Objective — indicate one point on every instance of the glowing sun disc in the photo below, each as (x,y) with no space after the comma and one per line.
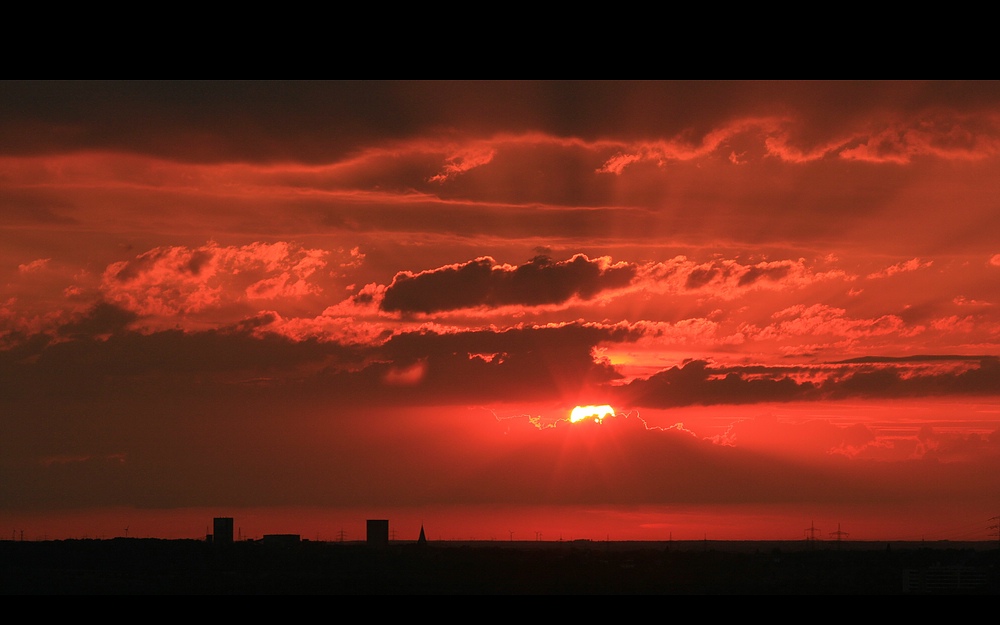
(585,412)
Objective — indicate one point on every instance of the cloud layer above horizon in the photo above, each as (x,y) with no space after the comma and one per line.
(303,283)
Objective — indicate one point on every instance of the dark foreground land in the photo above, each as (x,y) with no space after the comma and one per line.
(130,566)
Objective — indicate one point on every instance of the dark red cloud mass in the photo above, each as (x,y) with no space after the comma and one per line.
(385,297)
(484,283)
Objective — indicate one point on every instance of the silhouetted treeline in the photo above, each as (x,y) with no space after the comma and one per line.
(154,567)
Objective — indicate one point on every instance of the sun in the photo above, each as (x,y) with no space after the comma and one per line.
(585,412)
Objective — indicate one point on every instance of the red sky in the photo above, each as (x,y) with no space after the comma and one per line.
(306,304)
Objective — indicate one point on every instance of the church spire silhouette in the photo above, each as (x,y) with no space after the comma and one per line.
(422,539)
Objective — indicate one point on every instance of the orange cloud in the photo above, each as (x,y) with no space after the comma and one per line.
(169,281)
(946,136)
(942,135)
(729,278)
(35,265)
(464,161)
(820,319)
(910,265)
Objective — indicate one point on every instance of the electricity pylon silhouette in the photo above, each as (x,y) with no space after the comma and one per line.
(811,531)
(995,526)
(839,534)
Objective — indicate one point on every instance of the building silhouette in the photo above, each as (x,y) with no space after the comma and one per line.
(378,532)
(222,530)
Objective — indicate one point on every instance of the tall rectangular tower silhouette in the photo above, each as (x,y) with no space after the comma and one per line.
(222,530)
(378,532)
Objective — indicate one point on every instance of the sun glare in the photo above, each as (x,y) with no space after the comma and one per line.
(585,412)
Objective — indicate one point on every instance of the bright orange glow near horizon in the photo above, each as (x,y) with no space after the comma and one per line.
(598,413)
(383,297)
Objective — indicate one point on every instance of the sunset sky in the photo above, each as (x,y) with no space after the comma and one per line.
(306,304)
